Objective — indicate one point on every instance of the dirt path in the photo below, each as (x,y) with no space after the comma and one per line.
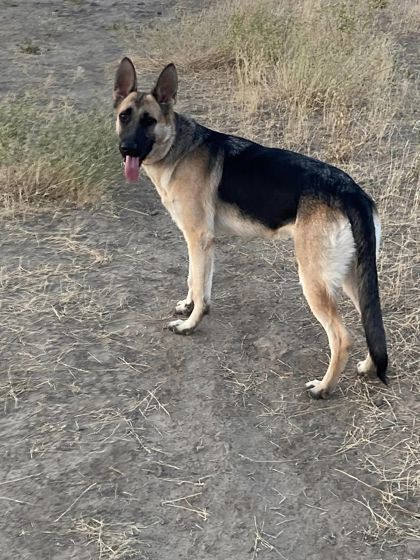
(69,43)
(121,440)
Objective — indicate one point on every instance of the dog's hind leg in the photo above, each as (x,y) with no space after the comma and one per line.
(324,249)
(324,307)
(351,289)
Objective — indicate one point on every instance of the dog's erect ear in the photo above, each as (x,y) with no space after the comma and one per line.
(125,80)
(167,85)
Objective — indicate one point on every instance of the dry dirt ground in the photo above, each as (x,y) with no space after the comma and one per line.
(121,440)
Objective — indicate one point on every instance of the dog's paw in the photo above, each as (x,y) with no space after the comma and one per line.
(180,327)
(184,307)
(361,368)
(316,389)
(365,367)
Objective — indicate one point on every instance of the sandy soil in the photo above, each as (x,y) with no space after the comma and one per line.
(122,440)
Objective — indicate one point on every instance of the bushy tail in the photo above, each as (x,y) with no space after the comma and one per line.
(359,210)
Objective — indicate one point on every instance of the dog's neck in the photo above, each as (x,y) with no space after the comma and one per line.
(160,150)
(163,162)
(179,141)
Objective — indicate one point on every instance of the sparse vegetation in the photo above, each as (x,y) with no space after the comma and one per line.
(323,78)
(52,153)
(29,47)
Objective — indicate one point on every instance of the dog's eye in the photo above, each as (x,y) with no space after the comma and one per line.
(125,116)
(147,120)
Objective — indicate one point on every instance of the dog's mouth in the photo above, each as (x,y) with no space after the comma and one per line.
(131,168)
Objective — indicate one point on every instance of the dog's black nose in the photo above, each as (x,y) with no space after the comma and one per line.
(128,148)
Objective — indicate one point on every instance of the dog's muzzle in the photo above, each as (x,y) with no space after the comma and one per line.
(129,149)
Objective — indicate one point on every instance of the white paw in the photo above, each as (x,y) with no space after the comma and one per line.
(311,384)
(184,307)
(316,389)
(180,327)
(365,367)
(360,366)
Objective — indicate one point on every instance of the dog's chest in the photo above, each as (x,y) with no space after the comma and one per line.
(161,180)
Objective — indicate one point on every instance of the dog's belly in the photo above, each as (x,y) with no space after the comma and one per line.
(230,220)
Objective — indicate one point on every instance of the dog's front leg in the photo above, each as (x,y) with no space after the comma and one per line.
(185,306)
(201,254)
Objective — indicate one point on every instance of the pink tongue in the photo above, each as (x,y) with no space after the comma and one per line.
(131,168)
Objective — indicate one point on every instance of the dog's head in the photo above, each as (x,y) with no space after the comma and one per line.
(145,121)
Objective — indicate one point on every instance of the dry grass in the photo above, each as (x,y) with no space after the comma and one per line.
(114,541)
(333,91)
(330,79)
(50,153)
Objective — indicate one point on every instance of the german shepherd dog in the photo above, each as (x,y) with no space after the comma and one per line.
(211,182)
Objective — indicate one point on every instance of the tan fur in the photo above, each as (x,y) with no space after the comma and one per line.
(230,220)
(187,190)
(315,234)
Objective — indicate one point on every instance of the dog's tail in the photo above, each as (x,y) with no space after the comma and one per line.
(359,210)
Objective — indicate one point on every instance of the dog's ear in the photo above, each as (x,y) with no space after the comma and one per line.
(125,80)
(166,86)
